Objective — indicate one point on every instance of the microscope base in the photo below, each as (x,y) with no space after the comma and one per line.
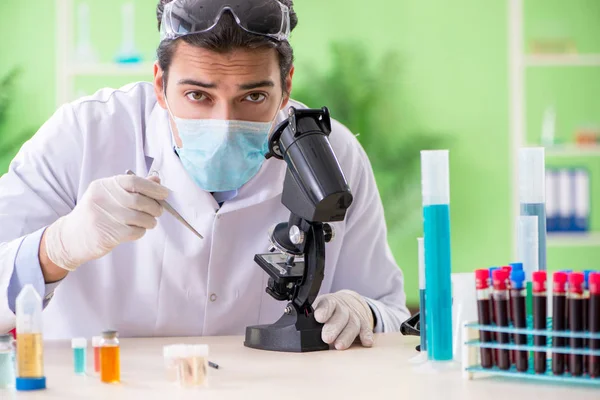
(291,333)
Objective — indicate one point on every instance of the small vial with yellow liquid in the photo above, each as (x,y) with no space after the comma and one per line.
(110,362)
(30,350)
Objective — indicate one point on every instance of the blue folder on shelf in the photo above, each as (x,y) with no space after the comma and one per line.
(552,200)
(581,190)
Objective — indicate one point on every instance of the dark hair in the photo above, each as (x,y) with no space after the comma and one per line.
(227,36)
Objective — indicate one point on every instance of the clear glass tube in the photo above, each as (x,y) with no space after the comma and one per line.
(422,298)
(532,193)
(528,246)
(436,223)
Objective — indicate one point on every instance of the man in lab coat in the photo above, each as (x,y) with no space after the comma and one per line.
(95,242)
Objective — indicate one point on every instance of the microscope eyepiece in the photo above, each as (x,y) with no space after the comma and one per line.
(315,187)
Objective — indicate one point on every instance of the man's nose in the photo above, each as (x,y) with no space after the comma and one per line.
(224,111)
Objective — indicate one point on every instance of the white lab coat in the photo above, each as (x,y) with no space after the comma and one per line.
(170,283)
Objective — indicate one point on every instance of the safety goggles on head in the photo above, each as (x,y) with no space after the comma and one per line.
(261,17)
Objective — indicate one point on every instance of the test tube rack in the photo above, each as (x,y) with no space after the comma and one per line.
(471,363)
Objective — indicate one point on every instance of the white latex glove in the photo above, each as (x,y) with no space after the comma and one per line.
(346,315)
(112,211)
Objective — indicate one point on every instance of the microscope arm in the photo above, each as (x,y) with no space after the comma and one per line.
(314,261)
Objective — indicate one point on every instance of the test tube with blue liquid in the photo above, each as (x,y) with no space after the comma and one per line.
(79,346)
(532,198)
(422,303)
(435,180)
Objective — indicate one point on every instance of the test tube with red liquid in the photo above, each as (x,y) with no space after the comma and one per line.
(539,319)
(491,281)
(483,310)
(508,270)
(96,347)
(559,310)
(586,313)
(501,304)
(594,323)
(493,309)
(518,295)
(575,297)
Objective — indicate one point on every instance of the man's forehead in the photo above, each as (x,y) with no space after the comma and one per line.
(255,63)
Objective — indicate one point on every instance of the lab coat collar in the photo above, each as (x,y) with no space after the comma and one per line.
(185,193)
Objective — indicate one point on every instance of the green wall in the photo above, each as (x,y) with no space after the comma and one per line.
(455,81)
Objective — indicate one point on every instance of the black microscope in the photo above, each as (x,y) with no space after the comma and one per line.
(316,192)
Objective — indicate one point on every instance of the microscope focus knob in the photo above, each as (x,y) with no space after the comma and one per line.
(296,235)
(328,233)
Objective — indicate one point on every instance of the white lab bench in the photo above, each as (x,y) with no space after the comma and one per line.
(381,372)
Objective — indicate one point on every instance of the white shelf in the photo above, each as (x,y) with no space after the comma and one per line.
(575,239)
(111,69)
(558,60)
(573,150)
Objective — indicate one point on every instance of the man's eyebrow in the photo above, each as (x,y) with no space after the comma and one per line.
(197,83)
(256,85)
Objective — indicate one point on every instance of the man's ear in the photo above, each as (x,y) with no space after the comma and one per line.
(159,89)
(288,88)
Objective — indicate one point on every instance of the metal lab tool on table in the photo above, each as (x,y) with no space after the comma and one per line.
(172,211)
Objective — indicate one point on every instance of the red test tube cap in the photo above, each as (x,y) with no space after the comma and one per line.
(594,282)
(508,270)
(539,281)
(500,277)
(576,280)
(481,279)
(560,281)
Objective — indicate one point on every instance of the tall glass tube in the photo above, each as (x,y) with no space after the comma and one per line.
(528,252)
(128,52)
(435,180)
(84,52)
(532,195)
(422,300)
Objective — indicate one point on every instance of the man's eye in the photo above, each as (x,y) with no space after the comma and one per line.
(196,96)
(255,97)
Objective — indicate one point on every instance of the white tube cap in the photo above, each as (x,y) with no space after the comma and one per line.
(200,350)
(185,350)
(29,311)
(173,351)
(421,245)
(79,343)
(96,341)
(435,177)
(532,175)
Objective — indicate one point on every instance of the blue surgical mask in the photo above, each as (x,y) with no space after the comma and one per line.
(222,155)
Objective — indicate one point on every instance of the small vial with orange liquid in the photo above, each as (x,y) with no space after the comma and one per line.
(110,363)
(30,350)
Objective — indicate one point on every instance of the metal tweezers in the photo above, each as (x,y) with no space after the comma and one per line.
(172,211)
